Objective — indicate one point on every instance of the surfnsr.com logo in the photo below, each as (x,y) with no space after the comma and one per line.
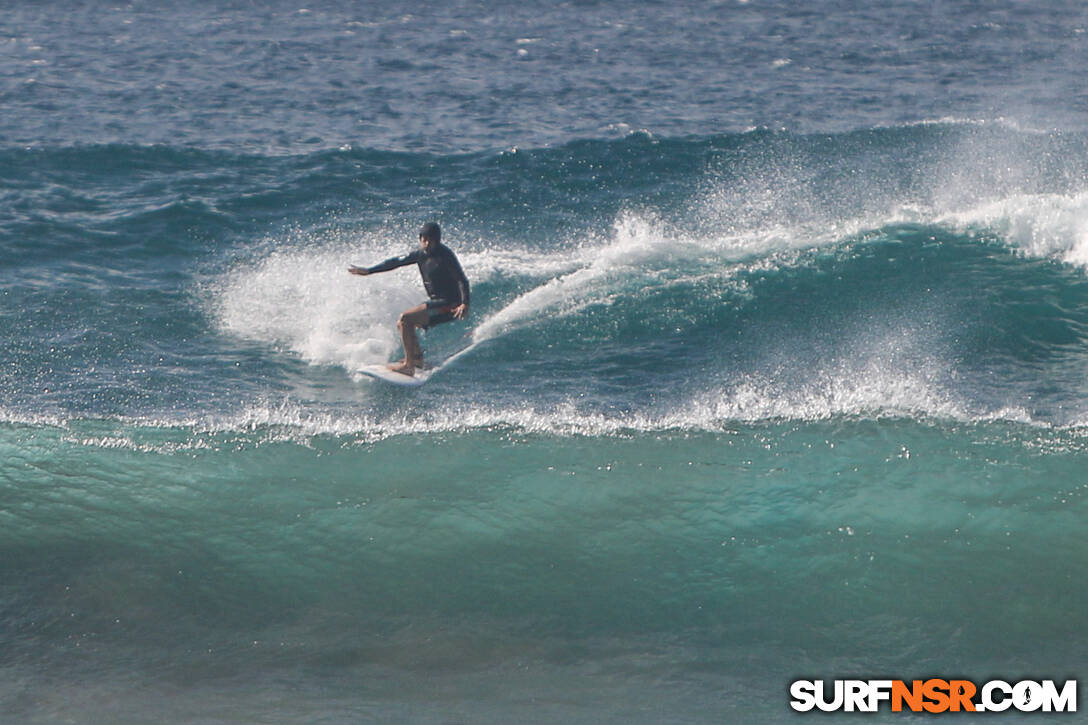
(933,696)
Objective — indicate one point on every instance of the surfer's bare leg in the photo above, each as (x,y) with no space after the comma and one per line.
(413,353)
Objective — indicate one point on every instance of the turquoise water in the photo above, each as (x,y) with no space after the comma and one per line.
(775,368)
(670,576)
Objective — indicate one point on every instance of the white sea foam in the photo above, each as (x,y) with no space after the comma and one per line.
(637,241)
(303,299)
(753,403)
(1039,225)
(1011,124)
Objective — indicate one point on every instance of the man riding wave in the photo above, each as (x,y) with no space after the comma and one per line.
(446,286)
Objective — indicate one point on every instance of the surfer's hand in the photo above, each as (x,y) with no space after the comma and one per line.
(361,271)
(460,312)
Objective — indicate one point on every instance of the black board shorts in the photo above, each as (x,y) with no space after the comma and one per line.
(439,311)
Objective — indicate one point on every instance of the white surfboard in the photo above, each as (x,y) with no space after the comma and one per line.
(381,372)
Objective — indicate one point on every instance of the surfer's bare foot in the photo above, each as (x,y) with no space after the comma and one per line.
(404,367)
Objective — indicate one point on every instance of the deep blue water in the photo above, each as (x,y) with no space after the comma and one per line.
(775,368)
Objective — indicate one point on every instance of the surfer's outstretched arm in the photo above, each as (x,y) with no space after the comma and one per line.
(394,263)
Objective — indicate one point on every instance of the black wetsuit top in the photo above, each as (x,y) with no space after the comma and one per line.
(441,272)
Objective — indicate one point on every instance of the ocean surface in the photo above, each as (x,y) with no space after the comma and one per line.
(776,368)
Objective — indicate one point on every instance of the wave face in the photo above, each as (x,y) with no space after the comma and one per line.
(730,409)
(739,277)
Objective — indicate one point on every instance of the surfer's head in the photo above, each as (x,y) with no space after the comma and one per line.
(430,233)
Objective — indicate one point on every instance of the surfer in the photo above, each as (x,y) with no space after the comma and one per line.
(446,286)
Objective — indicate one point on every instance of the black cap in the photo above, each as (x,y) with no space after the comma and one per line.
(431,232)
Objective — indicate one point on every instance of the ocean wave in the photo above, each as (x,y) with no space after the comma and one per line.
(878,397)
(900,317)
(1038,225)
(614,269)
